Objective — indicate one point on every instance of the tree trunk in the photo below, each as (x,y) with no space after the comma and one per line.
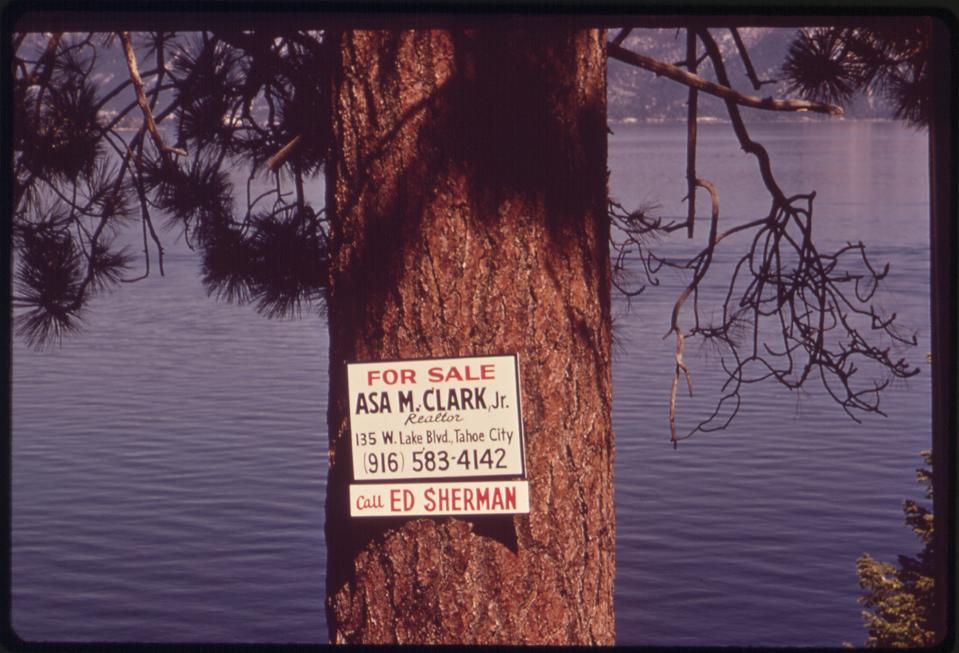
(467,196)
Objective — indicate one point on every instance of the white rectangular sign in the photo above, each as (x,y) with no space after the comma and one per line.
(431,499)
(436,418)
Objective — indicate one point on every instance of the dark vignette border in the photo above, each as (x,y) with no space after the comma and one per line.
(93,15)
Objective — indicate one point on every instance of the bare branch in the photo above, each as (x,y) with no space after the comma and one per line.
(680,366)
(42,75)
(142,99)
(747,62)
(789,313)
(725,92)
(283,153)
(623,33)
(684,62)
(704,261)
(692,108)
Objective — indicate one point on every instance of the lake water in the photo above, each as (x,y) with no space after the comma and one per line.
(169,463)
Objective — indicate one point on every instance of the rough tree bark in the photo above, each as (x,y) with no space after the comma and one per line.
(467,194)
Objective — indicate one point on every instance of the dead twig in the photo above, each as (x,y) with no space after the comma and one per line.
(747,62)
(142,99)
(703,261)
(692,108)
(623,33)
(283,153)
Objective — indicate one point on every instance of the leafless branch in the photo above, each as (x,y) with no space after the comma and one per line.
(44,67)
(283,153)
(43,70)
(790,312)
(747,62)
(702,263)
(692,108)
(623,33)
(142,99)
(723,91)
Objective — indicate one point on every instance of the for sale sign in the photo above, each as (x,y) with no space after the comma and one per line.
(435,419)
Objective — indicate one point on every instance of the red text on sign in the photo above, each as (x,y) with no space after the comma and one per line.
(369,503)
(466,373)
(391,377)
(401,500)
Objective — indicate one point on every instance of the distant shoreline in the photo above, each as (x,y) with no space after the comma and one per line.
(712,120)
(132,126)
